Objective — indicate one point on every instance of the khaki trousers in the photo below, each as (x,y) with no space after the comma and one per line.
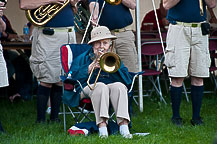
(3,70)
(126,49)
(100,96)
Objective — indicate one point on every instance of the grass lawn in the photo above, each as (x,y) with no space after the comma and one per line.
(18,120)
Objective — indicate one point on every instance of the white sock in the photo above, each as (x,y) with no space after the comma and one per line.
(103,131)
(124,130)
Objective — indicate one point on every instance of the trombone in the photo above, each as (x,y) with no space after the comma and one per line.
(109,62)
(201,7)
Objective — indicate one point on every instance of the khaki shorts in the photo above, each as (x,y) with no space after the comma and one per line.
(3,70)
(187,52)
(45,60)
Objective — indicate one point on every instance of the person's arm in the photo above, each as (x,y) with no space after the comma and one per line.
(2,23)
(212,17)
(32,4)
(73,2)
(95,13)
(167,4)
(129,3)
(211,3)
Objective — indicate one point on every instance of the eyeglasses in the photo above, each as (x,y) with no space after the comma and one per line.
(101,43)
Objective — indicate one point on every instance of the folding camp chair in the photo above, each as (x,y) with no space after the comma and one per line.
(154,52)
(68,53)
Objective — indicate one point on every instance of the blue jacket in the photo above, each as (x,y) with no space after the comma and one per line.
(79,71)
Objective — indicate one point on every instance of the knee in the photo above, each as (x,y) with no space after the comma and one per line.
(46,84)
(177,82)
(118,86)
(196,81)
(101,86)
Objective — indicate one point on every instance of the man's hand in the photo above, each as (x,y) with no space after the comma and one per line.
(73,2)
(165,21)
(2,8)
(58,1)
(95,13)
(2,23)
(131,4)
(33,4)
(211,3)
(94,64)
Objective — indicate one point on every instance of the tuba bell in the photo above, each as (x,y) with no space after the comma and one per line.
(113,2)
(43,14)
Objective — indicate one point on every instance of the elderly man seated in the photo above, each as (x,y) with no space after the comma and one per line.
(109,87)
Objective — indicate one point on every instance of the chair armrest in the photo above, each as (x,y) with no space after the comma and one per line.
(134,77)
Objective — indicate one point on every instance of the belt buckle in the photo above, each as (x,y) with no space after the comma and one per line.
(70,30)
(116,30)
(194,25)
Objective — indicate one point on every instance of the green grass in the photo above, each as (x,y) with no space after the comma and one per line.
(18,120)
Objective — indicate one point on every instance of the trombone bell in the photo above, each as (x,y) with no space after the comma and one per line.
(110,62)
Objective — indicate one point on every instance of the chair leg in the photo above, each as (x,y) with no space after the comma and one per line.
(71,112)
(186,95)
(158,89)
(64,117)
(214,79)
(165,81)
(160,92)
(84,114)
(134,99)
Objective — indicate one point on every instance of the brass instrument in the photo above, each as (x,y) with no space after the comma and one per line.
(81,17)
(113,2)
(201,7)
(109,62)
(43,14)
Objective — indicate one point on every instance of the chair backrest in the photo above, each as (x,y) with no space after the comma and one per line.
(212,43)
(145,35)
(152,54)
(152,48)
(69,52)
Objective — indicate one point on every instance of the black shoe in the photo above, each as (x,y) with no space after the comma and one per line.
(1,129)
(198,121)
(177,121)
(40,122)
(56,120)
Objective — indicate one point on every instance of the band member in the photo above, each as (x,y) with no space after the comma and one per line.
(119,19)
(110,86)
(187,52)
(3,68)
(45,58)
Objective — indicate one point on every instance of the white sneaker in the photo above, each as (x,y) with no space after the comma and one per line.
(48,110)
(127,136)
(124,131)
(103,132)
